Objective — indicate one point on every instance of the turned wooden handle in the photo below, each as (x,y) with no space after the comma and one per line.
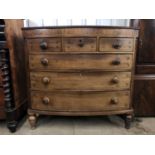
(46,80)
(46,100)
(115,79)
(81,43)
(43,45)
(44,61)
(116,62)
(117,44)
(114,100)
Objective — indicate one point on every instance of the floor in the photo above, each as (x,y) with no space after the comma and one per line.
(107,125)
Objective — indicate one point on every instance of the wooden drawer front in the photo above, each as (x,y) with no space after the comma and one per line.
(44,45)
(79,101)
(103,32)
(82,31)
(1,97)
(117,33)
(80,81)
(115,44)
(81,61)
(79,44)
(35,33)
(71,32)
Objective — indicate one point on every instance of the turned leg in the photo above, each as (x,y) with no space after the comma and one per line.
(12,126)
(128,119)
(32,120)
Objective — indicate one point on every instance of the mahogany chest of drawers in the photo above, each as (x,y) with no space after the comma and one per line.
(80,71)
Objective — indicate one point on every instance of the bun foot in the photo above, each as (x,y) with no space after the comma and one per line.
(32,120)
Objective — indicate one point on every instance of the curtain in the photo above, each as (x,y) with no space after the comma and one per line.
(70,22)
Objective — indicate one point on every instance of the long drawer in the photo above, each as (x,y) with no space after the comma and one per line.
(81,61)
(85,31)
(80,81)
(71,32)
(80,101)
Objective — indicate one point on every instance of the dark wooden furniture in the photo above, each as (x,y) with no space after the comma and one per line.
(77,71)
(2,46)
(144,88)
(13,95)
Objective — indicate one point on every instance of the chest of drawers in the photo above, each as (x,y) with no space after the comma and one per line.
(78,71)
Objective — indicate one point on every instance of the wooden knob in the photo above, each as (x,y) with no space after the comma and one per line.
(115,79)
(46,100)
(116,62)
(46,80)
(81,43)
(114,100)
(117,44)
(43,45)
(44,61)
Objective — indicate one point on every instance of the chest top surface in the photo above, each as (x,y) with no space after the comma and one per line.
(68,31)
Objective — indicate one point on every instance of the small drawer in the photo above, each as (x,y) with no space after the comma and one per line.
(116,44)
(80,101)
(80,81)
(85,61)
(44,45)
(79,44)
